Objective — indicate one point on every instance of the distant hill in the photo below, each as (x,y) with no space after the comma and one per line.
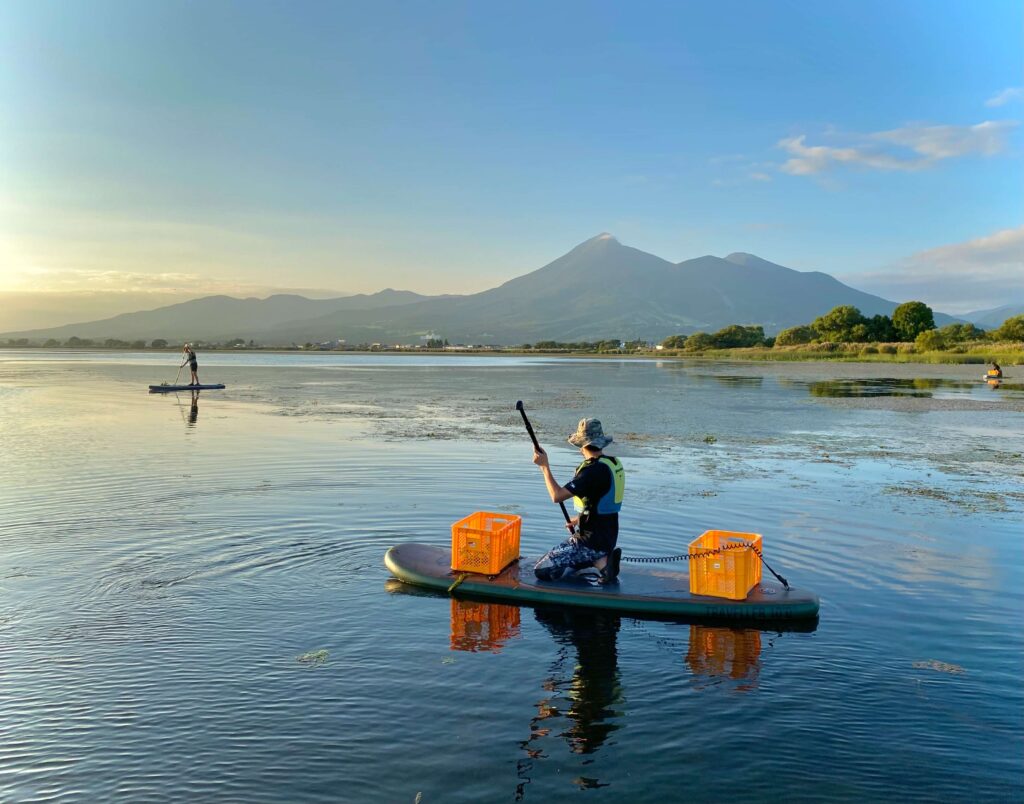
(604,289)
(599,289)
(994,318)
(218,317)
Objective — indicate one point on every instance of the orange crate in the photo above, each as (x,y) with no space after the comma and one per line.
(481,627)
(485,542)
(731,573)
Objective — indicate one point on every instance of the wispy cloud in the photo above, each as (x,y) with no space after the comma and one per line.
(133,283)
(977,274)
(1006,96)
(810,159)
(935,143)
(909,148)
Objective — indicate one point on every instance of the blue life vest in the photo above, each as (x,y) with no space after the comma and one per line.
(611,502)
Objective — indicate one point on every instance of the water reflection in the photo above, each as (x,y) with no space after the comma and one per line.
(589,696)
(887,386)
(582,699)
(737,380)
(718,654)
(478,626)
(193,414)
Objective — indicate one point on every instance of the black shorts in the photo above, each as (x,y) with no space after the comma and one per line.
(193,366)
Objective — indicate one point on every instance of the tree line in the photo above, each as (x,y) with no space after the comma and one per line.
(911,322)
(74,342)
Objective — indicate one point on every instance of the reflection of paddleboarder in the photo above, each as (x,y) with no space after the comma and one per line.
(593,691)
(193,364)
(193,413)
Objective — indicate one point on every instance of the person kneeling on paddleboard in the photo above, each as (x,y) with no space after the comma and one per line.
(597,490)
(190,358)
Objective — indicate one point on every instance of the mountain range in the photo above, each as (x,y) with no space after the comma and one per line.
(600,289)
(991,319)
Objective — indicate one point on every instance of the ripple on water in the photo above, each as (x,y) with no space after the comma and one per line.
(159,577)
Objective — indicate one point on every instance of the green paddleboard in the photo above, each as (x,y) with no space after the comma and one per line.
(653,590)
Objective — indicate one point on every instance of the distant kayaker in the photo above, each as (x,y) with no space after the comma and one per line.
(996,370)
(596,489)
(190,358)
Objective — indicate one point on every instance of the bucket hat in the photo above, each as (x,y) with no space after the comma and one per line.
(590,434)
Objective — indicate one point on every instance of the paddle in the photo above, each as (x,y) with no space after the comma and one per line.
(536,446)
(179,373)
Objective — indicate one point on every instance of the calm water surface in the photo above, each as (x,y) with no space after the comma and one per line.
(164,564)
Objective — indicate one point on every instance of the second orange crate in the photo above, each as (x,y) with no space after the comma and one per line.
(485,542)
(731,573)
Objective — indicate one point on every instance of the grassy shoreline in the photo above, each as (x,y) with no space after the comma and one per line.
(1007,354)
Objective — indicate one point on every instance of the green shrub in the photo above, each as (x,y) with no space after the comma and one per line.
(699,341)
(842,323)
(930,341)
(736,336)
(1011,330)
(958,333)
(794,336)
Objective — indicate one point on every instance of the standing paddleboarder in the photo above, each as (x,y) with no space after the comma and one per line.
(190,358)
(596,490)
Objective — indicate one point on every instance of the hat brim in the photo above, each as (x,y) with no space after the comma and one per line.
(597,443)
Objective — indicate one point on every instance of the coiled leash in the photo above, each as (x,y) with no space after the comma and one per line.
(704,554)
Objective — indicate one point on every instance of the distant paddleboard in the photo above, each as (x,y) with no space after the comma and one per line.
(162,389)
(641,591)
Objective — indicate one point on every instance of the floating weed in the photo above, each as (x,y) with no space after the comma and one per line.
(638,438)
(963,501)
(940,667)
(313,658)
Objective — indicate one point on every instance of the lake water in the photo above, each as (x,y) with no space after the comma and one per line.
(164,565)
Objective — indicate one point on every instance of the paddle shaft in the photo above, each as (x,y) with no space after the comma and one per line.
(536,446)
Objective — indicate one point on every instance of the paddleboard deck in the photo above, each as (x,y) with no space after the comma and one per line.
(162,389)
(651,590)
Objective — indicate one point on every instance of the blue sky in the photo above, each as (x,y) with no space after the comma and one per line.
(192,147)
